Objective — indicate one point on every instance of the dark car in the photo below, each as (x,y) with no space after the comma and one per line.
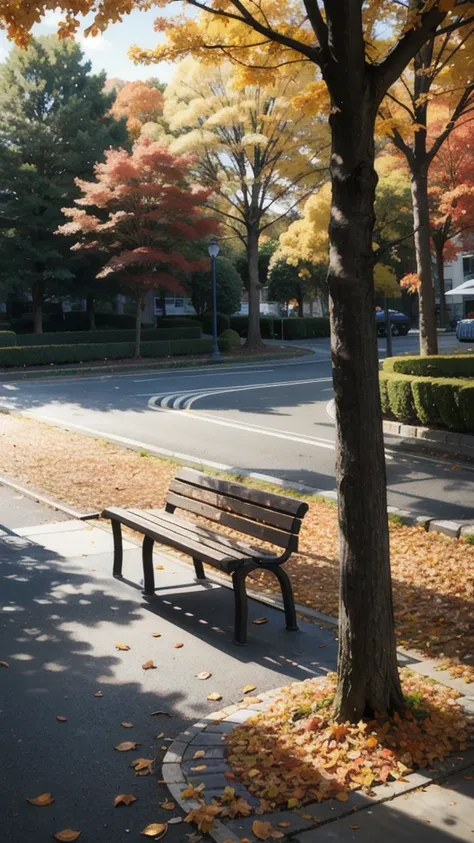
(399,322)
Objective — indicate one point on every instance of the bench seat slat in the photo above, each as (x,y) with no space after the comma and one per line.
(270,500)
(242,525)
(286,523)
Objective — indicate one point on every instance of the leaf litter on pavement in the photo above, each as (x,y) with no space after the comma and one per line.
(432,574)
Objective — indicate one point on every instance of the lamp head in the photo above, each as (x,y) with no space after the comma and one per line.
(213,250)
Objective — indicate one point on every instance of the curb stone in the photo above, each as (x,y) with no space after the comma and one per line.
(177,779)
(442,440)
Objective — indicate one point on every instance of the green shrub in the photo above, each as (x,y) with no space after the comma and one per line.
(201,346)
(384,399)
(307,327)
(445,395)
(7,338)
(423,399)
(108,336)
(439,366)
(223,322)
(224,344)
(400,398)
(466,405)
(240,324)
(177,322)
(232,337)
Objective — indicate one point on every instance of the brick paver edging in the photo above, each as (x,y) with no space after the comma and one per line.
(208,735)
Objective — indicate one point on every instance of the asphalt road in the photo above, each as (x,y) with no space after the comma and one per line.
(271,418)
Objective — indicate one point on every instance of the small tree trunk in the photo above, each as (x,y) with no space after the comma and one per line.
(37,292)
(254,337)
(91,310)
(300,305)
(138,324)
(421,221)
(368,677)
(443,315)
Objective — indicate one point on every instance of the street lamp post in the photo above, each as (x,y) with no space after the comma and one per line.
(213,252)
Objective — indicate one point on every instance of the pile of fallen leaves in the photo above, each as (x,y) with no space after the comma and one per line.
(433,585)
(295,752)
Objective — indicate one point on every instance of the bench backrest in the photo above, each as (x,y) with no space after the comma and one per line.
(275,519)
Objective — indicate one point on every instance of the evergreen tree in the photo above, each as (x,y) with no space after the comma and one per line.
(54,126)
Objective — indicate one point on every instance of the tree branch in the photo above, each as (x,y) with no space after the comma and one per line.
(457,113)
(316,20)
(388,71)
(455,25)
(392,243)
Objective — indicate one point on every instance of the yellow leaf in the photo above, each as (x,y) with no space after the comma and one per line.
(126,724)
(142,764)
(41,801)
(159,567)
(156,634)
(354,827)
(371,742)
(124,799)
(252,700)
(203,675)
(342,796)
(157,830)
(248,688)
(120,646)
(200,753)
(126,746)
(168,806)
(149,665)
(61,719)
(214,697)
(67,835)
(191,792)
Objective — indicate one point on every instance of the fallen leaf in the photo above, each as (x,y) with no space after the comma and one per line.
(248,688)
(284,824)
(468,778)
(214,697)
(157,830)
(203,675)
(265,831)
(159,567)
(342,796)
(168,806)
(42,801)
(175,820)
(156,634)
(161,735)
(98,694)
(192,792)
(200,753)
(252,700)
(149,665)
(124,799)
(120,646)
(199,768)
(371,742)
(178,645)
(354,827)
(126,724)
(67,835)
(61,719)
(195,837)
(126,746)
(307,817)
(4,664)
(142,764)
(456,468)
(157,713)
(260,621)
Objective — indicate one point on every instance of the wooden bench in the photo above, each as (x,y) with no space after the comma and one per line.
(273,519)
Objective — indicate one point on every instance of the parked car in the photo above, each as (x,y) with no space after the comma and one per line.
(465,330)
(399,322)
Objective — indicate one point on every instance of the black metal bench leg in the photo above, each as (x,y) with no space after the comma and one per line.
(288,599)
(199,568)
(148,574)
(241,607)
(118,548)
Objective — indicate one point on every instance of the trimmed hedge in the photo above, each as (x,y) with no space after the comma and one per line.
(232,337)
(7,338)
(240,325)
(177,322)
(271,327)
(110,336)
(43,355)
(439,366)
(445,402)
(223,323)
(76,320)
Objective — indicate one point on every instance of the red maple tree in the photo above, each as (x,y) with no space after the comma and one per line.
(451,195)
(146,221)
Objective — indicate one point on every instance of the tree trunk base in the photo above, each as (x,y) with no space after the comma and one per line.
(254,345)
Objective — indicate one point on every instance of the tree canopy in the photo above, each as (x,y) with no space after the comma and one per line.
(229,287)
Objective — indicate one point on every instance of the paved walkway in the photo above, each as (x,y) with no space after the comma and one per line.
(62,615)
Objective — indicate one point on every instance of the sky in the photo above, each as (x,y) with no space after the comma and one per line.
(109,51)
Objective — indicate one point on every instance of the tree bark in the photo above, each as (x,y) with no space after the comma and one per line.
(443,315)
(368,679)
(138,324)
(254,337)
(37,292)
(421,222)
(300,305)
(91,310)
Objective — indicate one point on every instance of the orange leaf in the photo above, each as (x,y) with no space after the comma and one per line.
(124,799)
(67,835)
(248,688)
(126,746)
(214,697)
(168,806)
(42,801)
(342,796)
(354,827)
(284,824)
(199,768)
(157,830)
(120,646)
(159,567)
(149,665)
(178,645)
(200,753)
(61,719)
(142,763)
(126,724)
(263,830)
(371,742)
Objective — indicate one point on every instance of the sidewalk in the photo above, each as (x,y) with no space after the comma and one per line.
(63,615)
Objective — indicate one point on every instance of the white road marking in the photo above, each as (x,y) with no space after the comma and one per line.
(208,374)
(190,396)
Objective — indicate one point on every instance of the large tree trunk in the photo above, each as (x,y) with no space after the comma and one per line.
(368,678)
(91,310)
(421,222)
(37,292)
(254,337)
(138,324)
(443,315)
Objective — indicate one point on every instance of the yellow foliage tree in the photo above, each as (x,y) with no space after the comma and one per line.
(266,38)
(258,153)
